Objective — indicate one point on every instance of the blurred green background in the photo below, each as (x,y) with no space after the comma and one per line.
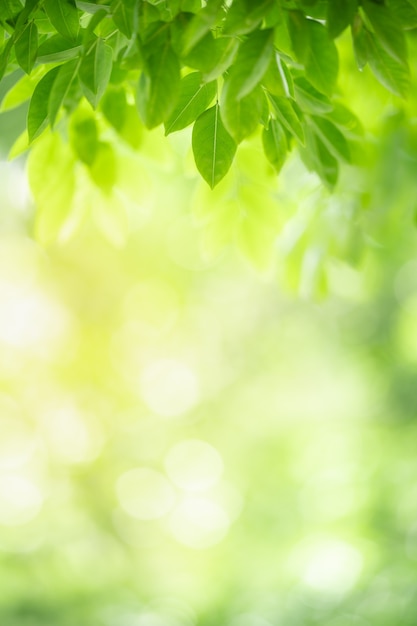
(200,427)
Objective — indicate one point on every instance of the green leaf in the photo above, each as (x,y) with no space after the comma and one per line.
(309,98)
(84,137)
(322,63)
(9,9)
(332,137)
(405,11)
(275,144)
(284,110)
(38,107)
(103,170)
(252,61)
(318,158)
(64,16)
(339,15)
(52,182)
(225,49)
(158,86)
(244,16)
(4,56)
(278,79)
(114,106)
(241,117)
(298,28)
(387,29)
(26,47)
(95,70)
(213,147)
(62,83)
(194,97)
(55,50)
(200,24)
(360,41)
(125,16)
(391,73)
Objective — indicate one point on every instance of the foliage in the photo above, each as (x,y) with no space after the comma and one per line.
(224,67)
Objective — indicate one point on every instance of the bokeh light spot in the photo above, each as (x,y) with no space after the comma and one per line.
(169,387)
(199,522)
(193,465)
(145,493)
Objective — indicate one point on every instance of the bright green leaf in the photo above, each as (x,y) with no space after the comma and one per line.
(332,138)
(275,144)
(360,41)
(309,98)
(194,97)
(213,147)
(321,63)
(125,16)
(284,110)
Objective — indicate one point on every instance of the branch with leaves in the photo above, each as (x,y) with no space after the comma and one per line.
(225,67)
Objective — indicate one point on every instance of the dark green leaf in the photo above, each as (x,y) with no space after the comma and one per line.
(4,56)
(213,147)
(322,63)
(158,87)
(387,29)
(55,50)
(26,47)
(299,32)
(64,16)
(224,53)
(95,70)
(391,73)
(340,14)
(38,107)
(9,9)
(405,11)
(194,97)
(252,61)
(275,144)
(61,87)
(284,110)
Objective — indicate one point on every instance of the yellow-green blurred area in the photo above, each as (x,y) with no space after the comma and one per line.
(208,400)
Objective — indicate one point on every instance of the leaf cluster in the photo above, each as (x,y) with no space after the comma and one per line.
(226,67)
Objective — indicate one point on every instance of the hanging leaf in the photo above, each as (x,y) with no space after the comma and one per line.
(284,110)
(158,86)
(252,61)
(243,17)
(225,50)
(387,29)
(332,138)
(394,75)
(84,137)
(309,98)
(95,70)
(194,97)
(213,147)
(64,16)
(62,84)
(26,47)
(275,144)
(278,79)
(360,41)
(125,16)
(322,63)
(340,14)
(200,24)
(241,116)
(38,108)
